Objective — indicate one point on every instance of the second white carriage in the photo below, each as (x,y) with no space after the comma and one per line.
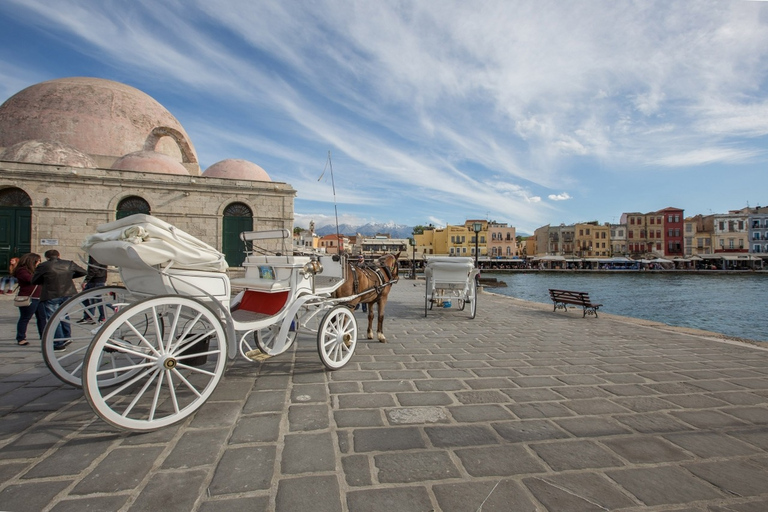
(450,279)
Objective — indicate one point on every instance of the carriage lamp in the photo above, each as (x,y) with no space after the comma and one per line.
(477,227)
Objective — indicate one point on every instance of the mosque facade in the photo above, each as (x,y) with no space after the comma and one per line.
(79,152)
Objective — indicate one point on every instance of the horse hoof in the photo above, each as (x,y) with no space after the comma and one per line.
(370,335)
(382,339)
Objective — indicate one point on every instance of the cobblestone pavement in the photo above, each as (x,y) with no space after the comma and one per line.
(521,409)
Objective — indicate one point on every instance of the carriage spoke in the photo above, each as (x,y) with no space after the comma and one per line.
(156,398)
(186,382)
(139,394)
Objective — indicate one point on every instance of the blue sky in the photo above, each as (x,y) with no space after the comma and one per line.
(526,112)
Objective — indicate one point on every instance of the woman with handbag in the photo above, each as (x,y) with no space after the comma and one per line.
(23,272)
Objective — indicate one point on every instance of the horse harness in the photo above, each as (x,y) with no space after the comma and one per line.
(382,273)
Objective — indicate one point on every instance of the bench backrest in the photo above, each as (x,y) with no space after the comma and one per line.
(569,295)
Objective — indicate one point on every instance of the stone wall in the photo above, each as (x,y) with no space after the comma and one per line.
(68,203)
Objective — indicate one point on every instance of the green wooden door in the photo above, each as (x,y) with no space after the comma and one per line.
(15,234)
(237,218)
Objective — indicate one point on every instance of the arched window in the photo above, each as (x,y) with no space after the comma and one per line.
(15,225)
(238,217)
(131,205)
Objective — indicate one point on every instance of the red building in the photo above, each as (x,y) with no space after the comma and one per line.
(673,231)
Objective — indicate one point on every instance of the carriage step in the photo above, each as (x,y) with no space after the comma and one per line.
(257,355)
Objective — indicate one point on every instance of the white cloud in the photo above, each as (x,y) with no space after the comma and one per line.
(559,197)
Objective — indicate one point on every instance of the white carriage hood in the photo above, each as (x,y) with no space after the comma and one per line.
(146,240)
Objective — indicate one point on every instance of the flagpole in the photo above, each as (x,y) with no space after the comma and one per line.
(335,207)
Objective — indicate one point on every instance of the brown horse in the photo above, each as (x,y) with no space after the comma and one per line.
(375,280)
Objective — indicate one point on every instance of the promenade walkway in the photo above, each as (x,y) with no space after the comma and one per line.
(521,409)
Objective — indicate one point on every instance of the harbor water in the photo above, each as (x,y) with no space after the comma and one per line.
(732,304)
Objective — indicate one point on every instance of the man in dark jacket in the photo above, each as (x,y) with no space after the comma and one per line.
(54,277)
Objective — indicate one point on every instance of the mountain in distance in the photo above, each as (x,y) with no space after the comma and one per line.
(370,229)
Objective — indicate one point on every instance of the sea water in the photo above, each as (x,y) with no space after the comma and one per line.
(731,304)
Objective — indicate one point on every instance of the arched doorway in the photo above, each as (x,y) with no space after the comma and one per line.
(238,217)
(131,205)
(15,225)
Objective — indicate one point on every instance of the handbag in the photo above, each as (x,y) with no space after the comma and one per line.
(22,301)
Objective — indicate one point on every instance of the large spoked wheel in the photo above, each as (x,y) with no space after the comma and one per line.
(77,321)
(472,299)
(174,365)
(337,337)
(268,342)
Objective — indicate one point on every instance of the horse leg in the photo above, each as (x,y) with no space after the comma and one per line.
(380,327)
(370,321)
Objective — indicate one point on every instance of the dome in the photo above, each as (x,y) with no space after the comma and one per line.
(236,169)
(96,116)
(46,152)
(149,161)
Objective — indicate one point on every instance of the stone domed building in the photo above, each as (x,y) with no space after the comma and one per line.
(79,152)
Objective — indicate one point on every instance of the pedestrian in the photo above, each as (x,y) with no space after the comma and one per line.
(55,279)
(8,283)
(96,277)
(23,272)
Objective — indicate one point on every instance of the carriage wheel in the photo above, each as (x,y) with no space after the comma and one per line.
(87,305)
(337,337)
(427,298)
(462,303)
(175,364)
(472,299)
(266,338)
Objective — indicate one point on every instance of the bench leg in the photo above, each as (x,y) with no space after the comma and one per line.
(589,311)
(560,305)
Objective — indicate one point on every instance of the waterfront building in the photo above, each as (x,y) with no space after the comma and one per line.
(79,152)
(637,233)
(424,242)
(673,222)
(592,240)
(758,230)
(334,244)
(698,235)
(731,232)
(618,239)
(541,242)
(501,242)
(373,247)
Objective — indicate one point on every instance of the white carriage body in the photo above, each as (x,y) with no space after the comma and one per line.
(450,278)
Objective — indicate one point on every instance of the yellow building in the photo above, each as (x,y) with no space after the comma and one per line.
(453,240)
(592,240)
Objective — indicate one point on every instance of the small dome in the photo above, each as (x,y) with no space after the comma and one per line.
(236,169)
(46,152)
(149,161)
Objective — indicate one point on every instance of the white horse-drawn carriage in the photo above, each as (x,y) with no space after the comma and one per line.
(150,353)
(451,279)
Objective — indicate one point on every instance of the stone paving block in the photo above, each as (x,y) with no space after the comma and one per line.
(71,458)
(502,460)
(644,403)
(51,401)
(754,415)
(439,385)
(461,435)
(739,477)
(582,392)
(542,410)
(424,398)
(653,423)
(308,453)
(120,470)
(594,406)
(495,495)
(475,413)
(580,380)
(496,372)
(756,437)
(315,493)
(710,444)
(646,449)
(387,386)
(576,454)
(750,506)
(352,375)
(261,428)
(32,496)
(265,401)
(271,382)
(591,426)
(584,492)
(171,491)
(740,397)
(400,499)
(489,383)
(231,389)
(216,415)
(387,439)
(338,388)
(664,485)
(529,430)
(357,470)
(417,415)
(698,401)
(196,448)
(97,503)
(243,469)
(707,419)
(31,443)
(308,417)
(255,503)
(366,401)
(309,393)
(358,418)
(481,397)
(411,467)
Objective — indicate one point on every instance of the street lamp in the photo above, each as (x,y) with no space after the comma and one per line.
(477,227)
(412,241)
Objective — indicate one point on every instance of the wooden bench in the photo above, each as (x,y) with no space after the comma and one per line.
(563,297)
